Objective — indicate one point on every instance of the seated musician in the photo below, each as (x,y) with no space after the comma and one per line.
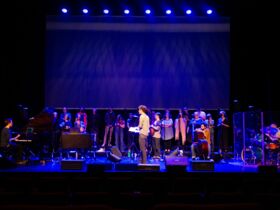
(202,145)
(8,144)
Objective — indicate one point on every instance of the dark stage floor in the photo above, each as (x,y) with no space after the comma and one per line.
(169,183)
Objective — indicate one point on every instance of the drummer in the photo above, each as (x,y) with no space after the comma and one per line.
(272,132)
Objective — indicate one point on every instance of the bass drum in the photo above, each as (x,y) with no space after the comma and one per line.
(252,155)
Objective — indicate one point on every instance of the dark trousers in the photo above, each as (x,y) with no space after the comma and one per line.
(156,146)
(143,143)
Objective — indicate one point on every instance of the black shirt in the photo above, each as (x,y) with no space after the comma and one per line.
(5,137)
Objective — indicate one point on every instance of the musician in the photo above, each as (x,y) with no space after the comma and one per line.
(7,143)
(94,124)
(167,133)
(203,139)
(66,123)
(65,115)
(81,116)
(144,125)
(272,132)
(211,125)
(195,123)
(156,126)
(79,123)
(119,130)
(110,118)
(180,128)
(55,132)
(223,132)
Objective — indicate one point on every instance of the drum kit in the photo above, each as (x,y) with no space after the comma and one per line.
(254,152)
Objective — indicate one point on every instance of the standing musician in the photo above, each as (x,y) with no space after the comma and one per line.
(144,125)
(155,133)
(119,130)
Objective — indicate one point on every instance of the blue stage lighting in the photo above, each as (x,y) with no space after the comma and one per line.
(188,11)
(148,11)
(168,11)
(209,11)
(106,11)
(64,10)
(126,11)
(85,11)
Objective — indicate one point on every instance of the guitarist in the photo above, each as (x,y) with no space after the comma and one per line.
(155,133)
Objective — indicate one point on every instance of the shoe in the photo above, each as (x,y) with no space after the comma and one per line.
(101,150)
(193,158)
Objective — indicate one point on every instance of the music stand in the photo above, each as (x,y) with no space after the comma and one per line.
(134,131)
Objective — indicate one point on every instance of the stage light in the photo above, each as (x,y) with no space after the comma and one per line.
(168,11)
(64,10)
(188,11)
(126,11)
(85,11)
(147,11)
(209,11)
(106,11)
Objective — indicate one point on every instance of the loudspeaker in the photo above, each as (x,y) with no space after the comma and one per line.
(148,167)
(202,165)
(267,169)
(176,164)
(72,164)
(115,155)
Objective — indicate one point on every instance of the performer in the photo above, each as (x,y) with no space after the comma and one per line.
(94,125)
(65,115)
(119,130)
(180,128)
(223,132)
(211,125)
(156,135)
(110,118)
(167,133)
(203,143)
(81,117)
(7,143)
(144,125)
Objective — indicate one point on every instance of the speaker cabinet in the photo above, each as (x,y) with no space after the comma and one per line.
(115,155)
(176,164)
(202,165)
(72,164)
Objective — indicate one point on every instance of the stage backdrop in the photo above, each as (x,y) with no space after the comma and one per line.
(124,62)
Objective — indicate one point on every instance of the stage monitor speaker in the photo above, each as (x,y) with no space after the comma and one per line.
(176,163)
(115,155)
(72,164)
(202,165)
(148,167)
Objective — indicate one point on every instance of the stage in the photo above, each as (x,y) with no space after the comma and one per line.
(170,183)
(126,164)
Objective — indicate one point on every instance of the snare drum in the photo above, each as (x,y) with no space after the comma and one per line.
(272,146)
